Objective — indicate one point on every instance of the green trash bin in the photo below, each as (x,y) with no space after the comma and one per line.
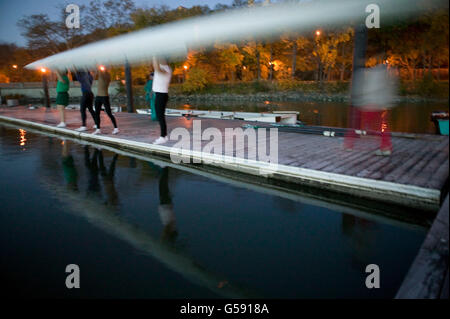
(443,127)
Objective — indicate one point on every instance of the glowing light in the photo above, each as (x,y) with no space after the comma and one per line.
(185,67)
(22,137)
(318,32)
(43,70)
(244,67)
(266,102)
(14,66)
(102,68)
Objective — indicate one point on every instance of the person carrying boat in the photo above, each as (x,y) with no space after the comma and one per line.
(102,98)
(374,94)
(87,98)
(160,87)
(62,95)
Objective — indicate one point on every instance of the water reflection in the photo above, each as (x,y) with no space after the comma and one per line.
(165,208)
(181,233)
(68,165)
(23,139)
(112,197)
(97,210)
(359,233)
(93,188)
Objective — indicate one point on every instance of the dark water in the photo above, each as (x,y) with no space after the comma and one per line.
(139,230)
(404,117)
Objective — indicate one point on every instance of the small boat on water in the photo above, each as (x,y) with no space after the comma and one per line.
(280,117)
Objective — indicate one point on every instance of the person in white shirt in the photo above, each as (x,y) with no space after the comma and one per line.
(161,82)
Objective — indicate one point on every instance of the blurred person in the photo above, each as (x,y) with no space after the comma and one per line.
(62,95)
(160,87)
(373,96)
(87,99)
(102,98)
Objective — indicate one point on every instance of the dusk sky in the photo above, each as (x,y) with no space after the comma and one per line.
(12,10)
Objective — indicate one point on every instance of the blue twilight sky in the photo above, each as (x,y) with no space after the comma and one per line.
(12,10)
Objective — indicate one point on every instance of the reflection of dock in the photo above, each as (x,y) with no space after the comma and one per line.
(413,175)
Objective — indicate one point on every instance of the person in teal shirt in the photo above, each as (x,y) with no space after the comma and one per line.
(150,96)
(62,95)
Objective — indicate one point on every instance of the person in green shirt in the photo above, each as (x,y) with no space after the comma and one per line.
(62,95)
(150,95)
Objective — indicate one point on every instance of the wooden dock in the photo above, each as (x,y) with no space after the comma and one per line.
(428,276)
(414,175)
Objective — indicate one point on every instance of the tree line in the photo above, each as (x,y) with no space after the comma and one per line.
(414,47)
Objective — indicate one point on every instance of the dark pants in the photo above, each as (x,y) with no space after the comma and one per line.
(103,100)
(160,108)
(87,100)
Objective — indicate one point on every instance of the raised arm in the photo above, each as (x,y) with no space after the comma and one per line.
(60,78)
(157,67)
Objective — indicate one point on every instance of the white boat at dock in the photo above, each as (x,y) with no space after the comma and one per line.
(281,117)
(114,109)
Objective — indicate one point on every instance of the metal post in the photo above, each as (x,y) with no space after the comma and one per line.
(46,95)
(128,81)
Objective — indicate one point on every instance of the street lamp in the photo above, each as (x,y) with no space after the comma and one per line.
(45,85)
(185,67)
(318,33)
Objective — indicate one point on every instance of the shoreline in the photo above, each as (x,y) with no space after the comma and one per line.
(293,96)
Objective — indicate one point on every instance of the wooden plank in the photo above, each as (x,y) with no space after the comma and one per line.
(378,167)
(400,154)
(416,157)
(419,174)
(438,179)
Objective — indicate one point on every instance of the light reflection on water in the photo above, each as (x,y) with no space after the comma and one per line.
(138,229)
(23,139)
